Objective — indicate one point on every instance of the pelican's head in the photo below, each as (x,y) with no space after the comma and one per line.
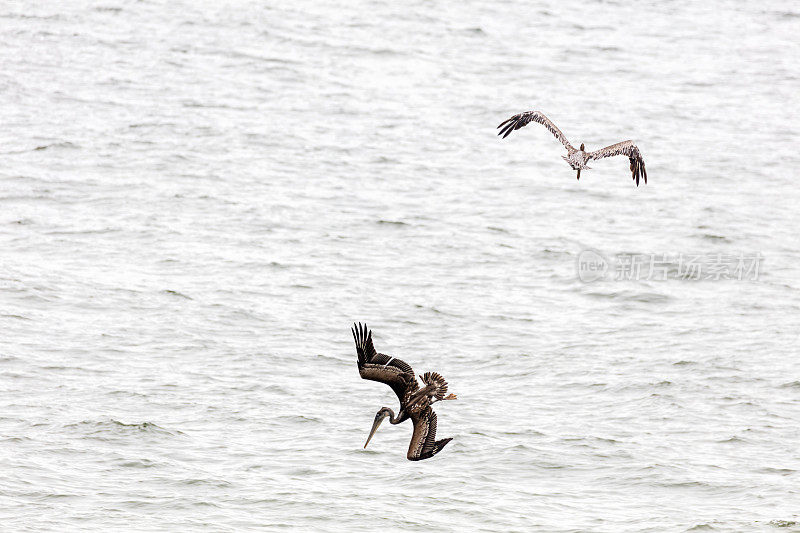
(581,147)
(379,416)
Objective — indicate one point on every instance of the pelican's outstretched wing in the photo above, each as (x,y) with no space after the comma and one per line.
(523,119)
(423,441)
(381,367)
(624,148)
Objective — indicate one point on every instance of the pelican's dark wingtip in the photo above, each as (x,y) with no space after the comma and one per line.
(507,131)
(360,339)
(508,126)
(506,122)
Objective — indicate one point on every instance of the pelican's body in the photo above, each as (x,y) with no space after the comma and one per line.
(577,158)
(415,401)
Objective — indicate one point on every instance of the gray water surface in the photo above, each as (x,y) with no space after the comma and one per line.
(199,198)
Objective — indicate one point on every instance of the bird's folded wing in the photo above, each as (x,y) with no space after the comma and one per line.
(523,119)
(430,438)
(423,440)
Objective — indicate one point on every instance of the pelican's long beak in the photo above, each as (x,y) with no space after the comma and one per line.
(374,429)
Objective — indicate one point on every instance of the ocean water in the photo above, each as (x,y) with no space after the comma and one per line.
(199,198)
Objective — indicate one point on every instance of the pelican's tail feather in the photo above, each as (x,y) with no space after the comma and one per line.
(435,379)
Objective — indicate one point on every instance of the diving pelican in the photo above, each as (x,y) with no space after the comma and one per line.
(577,158)
(415,402)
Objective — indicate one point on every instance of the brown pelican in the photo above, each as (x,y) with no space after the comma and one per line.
(415,402)
(577,158)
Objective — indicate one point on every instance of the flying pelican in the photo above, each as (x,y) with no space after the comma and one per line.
(415,402)
(577,158)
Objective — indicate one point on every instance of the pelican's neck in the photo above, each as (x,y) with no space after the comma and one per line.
(392,419)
